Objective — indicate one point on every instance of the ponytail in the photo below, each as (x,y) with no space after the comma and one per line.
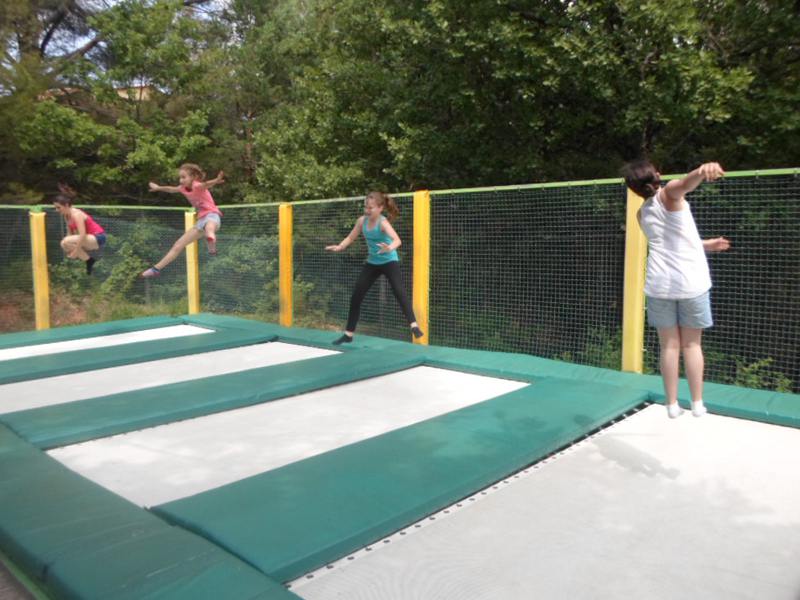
(642,177)
(387,202)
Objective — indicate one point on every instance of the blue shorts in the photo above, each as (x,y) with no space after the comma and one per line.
(694,313)
(214,217)
(101,239)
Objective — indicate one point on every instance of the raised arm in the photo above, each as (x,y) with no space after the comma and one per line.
(351,237)
(170,189)
(220,178)
(676,189)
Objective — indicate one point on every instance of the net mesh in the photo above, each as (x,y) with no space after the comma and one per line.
(538,271)
(242,279)
(16,279)
(136,239)
(756,295)
(323,281)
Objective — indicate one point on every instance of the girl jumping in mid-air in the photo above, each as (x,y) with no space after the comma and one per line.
(209,218)
(84,232)
(678,281)
(382,244)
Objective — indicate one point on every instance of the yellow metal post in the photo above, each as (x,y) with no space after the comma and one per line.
(192,266)
(633,299)
(422,262)
(285,265)
(41,281)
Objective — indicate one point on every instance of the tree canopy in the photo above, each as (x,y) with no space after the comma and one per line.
(313,98)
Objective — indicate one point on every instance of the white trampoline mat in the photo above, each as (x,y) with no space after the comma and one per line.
(164,463)
(651,508)
(102,341)
(103,382)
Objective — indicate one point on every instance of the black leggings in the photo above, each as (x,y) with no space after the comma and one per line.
(369,274)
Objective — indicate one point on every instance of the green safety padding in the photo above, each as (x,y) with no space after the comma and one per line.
(299,335)
(82,541)
(777,408)
(77,332)
(50,365)
(301,516)
(72,422)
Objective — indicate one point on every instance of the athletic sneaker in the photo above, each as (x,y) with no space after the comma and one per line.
(698,408)
(674,410)
(151,272)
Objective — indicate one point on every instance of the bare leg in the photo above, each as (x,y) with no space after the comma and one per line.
(693,364)
(670,341)
(73,249)
(187,238)
(211,236)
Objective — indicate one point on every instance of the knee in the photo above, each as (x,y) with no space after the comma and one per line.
(690,345)
(65,244)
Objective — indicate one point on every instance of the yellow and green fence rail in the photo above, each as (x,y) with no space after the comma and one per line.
(552,269)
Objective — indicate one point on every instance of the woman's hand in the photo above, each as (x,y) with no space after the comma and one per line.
(711,171)
(335,248)
(154,187)
(384,248)
(719,244)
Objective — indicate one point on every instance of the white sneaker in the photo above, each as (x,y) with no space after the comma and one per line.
(698,408)
(674,410)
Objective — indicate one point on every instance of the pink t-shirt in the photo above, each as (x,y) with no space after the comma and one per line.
(92,227)
(201,199)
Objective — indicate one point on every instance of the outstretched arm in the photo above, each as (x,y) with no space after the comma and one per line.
(170,189)
(676,189)
(220,178)
(351,237)
(389,230)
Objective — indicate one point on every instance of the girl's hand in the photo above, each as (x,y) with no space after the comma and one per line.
(384,248)
(220,177)
(334,248)
(711,171)
(719,244)
(154,187)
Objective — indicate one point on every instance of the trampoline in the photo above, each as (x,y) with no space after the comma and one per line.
(215,457)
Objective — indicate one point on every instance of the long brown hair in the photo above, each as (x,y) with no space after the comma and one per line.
(387,202)
(194,170)
(642,177)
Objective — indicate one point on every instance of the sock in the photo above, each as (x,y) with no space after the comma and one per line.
(674,410)
(698,408)
(89,265)
(345,339)
(416,331)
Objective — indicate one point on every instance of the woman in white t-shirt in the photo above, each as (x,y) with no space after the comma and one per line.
(677,283)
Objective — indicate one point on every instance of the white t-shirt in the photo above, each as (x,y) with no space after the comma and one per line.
(677,268)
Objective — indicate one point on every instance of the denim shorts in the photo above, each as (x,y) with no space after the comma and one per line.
(694,313)
(101,239)
(201,223)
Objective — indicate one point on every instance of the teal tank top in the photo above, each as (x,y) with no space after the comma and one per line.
(374,237)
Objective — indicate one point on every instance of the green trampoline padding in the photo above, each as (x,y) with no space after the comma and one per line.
(284,522)
(72,422)
(50,365)
(317,510)
(78,332)
(82,541)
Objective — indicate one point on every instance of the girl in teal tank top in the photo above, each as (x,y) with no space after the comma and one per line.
(377,242)
(382,243)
